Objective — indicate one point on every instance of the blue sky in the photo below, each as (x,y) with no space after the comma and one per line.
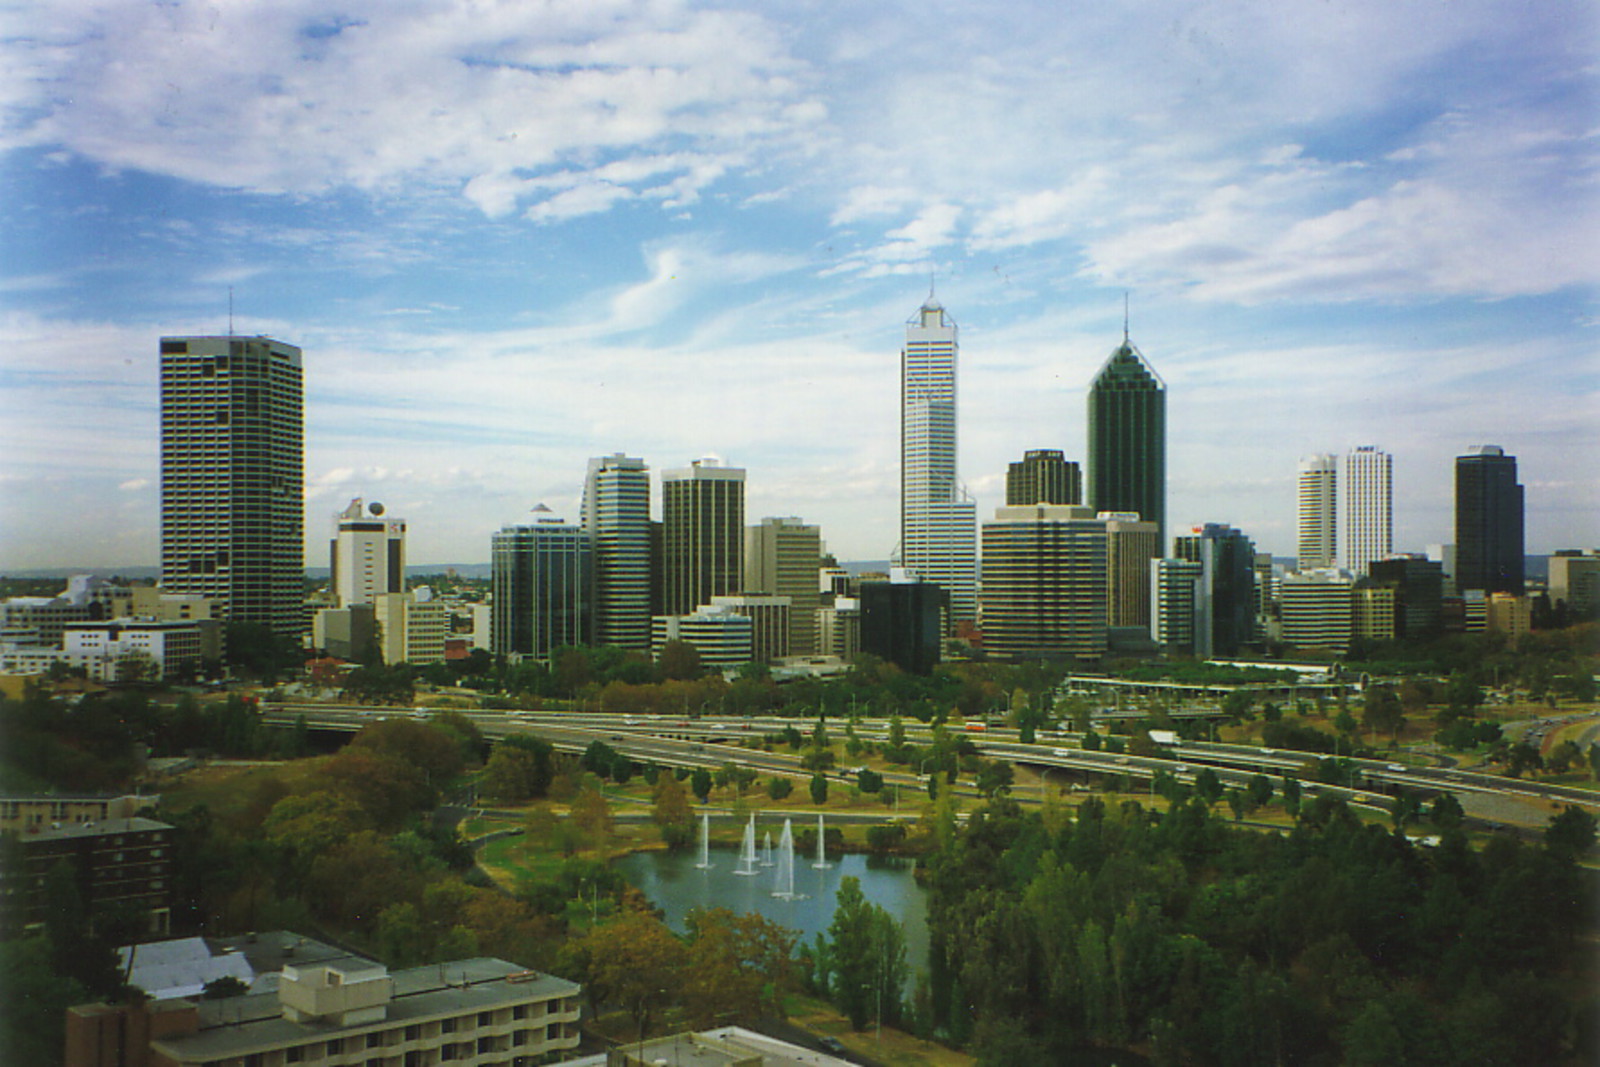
(510,236)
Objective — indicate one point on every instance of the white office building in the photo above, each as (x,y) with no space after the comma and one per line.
(1368,508)
(938,522)
(1316,517)
(367,557)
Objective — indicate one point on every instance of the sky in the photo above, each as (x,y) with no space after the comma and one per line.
(512,236)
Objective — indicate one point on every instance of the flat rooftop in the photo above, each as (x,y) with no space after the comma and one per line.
(239,1025)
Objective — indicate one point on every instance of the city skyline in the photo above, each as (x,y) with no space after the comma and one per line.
(670,231)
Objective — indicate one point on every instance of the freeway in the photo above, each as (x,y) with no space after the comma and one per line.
(710,742)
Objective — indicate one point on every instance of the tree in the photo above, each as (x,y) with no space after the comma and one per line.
(819,789)
(679,661)
(779,787)
(869,781)
(1383,711)
(1260,788)
(1446,813)
(867,950)
(1208,786)
(632,961)
(515,772)
(672,813)
(700,784)
(1291,795)
(1571,832)
(995,777)
(592,816)
(1091,741)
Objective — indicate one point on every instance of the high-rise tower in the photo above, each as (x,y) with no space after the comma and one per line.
(1316,522)
(938,523)
(543,581)
(616,514)
(1489,532)
(1368,508)
(702,534)
(232,471)
(367,555)
(1043,476)
(782,556)
(1128,437)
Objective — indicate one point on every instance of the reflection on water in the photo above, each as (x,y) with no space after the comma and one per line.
(675,885)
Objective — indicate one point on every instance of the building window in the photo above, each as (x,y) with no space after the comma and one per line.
(447,1026)
(519,1012)
(521,1037)
(413,1032)
(447,1051)
(485,1045)
(374,1040)
(483,1018)
(335,1047)
(294,1055)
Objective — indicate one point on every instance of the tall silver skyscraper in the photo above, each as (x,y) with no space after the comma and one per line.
(616,514)
(232,472)
(1368,507)
(938,523)
(1316,518)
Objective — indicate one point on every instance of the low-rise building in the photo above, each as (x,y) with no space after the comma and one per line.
(23,812)
(723,637)
(354,1013)
(113,861)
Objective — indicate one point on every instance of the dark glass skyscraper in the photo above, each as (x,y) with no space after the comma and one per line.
(1128,438)
(1489,541)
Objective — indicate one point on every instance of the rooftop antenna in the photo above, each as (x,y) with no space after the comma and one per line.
(1124,316)
(230,311)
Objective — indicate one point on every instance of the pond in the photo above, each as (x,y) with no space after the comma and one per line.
(676,885)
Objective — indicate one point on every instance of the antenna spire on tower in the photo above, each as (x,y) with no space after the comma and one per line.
(230,311)
(1124,316)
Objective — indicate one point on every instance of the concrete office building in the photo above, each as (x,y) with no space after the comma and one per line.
(1368,498)
(232,477)
(770,623)
(1131,545)
(1179,623)
(367,556)
(1316,516)
(783,557)
(1045,584)
(1317,609)
(616,514)
(131,649)
(1489,517)
(938,522)
(724,637)
(1227,558)
(1128,437)
(1575,581)
(543,581)
(1043,476)
(702,534)
(412,627)
(1374,612)
(839,628)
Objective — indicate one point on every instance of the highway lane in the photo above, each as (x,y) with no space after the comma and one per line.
(712,741)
